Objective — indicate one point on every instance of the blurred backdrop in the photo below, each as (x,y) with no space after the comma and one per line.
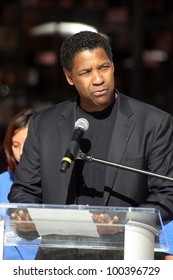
(31,33)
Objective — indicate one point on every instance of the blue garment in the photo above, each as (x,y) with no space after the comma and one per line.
(168,230)
(14,252)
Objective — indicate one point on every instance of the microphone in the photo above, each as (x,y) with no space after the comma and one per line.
(81,125)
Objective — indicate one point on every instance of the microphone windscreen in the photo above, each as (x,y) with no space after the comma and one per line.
(82,123)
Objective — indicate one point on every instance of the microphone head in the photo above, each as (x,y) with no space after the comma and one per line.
(82,123)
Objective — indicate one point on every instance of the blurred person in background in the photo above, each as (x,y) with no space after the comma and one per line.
(13,146)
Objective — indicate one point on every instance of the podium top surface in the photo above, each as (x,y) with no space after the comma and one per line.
(78,226)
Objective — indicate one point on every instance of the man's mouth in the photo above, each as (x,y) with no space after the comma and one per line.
(100,92)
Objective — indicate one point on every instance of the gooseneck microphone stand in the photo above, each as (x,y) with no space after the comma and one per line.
(89,158)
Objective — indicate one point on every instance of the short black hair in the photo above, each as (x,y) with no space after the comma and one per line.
(84,40)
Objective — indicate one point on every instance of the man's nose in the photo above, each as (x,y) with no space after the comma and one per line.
(97,77)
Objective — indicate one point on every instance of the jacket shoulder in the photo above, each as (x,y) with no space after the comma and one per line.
(141,107)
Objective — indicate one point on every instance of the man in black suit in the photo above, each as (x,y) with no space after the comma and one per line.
(121,130)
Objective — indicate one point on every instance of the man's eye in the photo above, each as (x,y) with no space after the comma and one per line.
(84,73)
(104,67)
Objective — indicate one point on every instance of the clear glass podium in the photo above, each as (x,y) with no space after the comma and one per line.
(135,231)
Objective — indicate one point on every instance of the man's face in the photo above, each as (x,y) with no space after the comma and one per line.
(93,76)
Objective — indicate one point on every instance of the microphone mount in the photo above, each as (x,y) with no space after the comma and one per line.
(89,158)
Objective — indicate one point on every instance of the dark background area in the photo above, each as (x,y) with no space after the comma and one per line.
(141,36)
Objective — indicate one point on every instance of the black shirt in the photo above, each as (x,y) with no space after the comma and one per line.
(90,176)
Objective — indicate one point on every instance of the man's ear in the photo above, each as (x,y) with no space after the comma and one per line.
(68,77)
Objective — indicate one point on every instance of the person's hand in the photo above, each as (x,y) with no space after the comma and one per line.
(106,224)
(23,221)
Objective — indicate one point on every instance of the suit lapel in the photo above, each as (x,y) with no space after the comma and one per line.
(120,137)
(66,127)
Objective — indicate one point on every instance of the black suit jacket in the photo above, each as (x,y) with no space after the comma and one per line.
(142,137)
